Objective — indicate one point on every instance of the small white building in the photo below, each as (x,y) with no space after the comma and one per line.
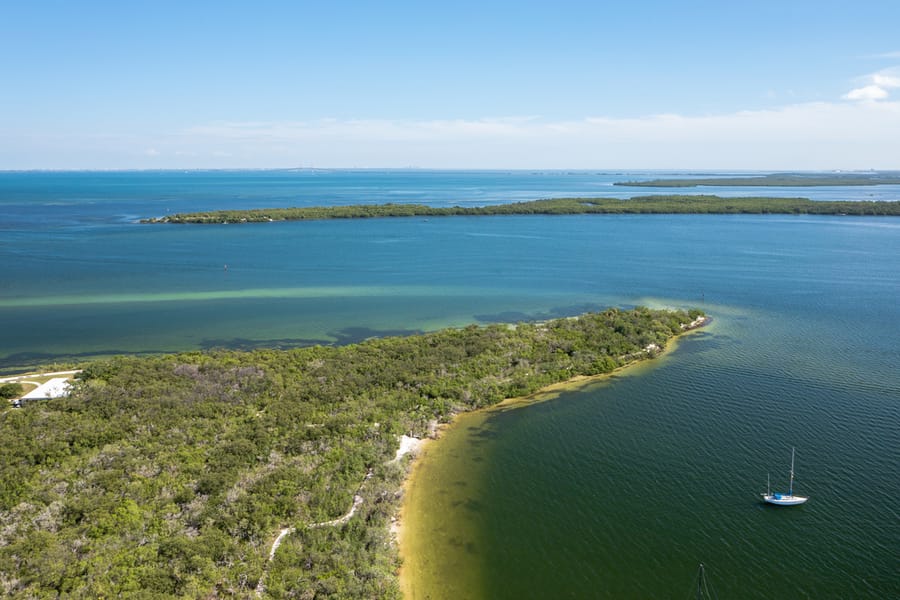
(55,388)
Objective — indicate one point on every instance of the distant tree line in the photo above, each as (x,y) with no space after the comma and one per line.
(666,204)
(169,476)
(775,180)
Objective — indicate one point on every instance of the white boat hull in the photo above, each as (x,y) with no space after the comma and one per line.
(784,499)
(780,499)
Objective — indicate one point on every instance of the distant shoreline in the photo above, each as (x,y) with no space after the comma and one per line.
(660,204)
(774,180)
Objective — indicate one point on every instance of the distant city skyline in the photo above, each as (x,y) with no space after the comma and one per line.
(579,85)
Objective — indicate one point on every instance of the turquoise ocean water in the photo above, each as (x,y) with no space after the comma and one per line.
(619,490)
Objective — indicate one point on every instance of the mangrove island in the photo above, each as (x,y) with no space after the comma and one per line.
(775,180)
(667,204)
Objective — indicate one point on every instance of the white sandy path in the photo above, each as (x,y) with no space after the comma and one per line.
(19,378)
(408,444)
(357,501)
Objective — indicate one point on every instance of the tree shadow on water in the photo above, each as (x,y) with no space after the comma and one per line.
(342,337)
(557,312)
(23,361)
(245,344)
(355,335)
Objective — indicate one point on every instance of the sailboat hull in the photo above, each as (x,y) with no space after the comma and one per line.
(779,499)
(784,499)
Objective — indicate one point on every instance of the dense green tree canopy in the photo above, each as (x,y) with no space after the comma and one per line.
(690,204)
(11,390)
(170,476)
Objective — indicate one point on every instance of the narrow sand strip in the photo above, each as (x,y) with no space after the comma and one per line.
(408,445)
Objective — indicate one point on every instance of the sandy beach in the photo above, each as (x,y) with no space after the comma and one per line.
(409,541)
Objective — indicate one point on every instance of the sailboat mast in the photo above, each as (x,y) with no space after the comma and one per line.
(791,486)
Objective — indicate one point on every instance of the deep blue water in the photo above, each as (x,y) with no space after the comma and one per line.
(658,472)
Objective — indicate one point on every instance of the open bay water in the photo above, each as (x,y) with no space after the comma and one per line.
(79,277)
(617,490)
(622,489)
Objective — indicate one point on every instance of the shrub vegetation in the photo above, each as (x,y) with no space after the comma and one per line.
(170,476)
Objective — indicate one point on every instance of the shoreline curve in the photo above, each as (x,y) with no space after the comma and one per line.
(417,447)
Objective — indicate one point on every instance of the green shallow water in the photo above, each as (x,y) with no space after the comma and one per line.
(621,489)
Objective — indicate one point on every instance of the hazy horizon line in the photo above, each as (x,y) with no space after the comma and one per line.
(697,170)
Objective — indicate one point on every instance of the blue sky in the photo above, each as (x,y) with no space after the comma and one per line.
(691,85)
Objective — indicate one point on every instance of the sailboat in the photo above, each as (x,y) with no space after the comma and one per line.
(780,499)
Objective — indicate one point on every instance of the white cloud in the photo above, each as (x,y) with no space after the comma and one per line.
(820,135)
(886,80)
(869,92)
(878,86)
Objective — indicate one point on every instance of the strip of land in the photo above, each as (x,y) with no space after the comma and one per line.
(663,204)
(775,180)
(172,475)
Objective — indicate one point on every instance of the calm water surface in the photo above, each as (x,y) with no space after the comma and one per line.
(618,490)
(622,489)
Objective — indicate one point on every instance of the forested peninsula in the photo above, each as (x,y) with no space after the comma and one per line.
(171,476)
(669,204)
(775,180)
